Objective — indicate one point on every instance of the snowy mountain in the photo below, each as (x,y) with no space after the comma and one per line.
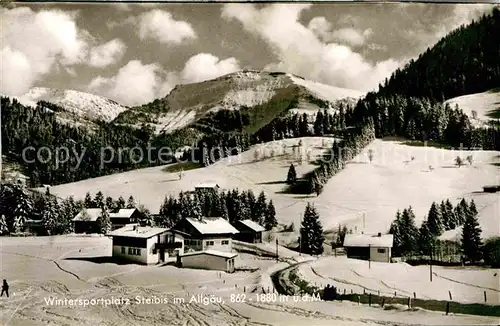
(249,88)
(81,105)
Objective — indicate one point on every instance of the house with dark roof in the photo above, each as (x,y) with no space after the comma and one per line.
(145,244)
(207,233)
(123,217)
(369,247)
(86,220)
(203,187)
(249,231)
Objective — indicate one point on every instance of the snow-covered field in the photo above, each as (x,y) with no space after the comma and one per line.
(84,105)
(326,92)
(378,189)
(482,103)
(46,268)
(465,285)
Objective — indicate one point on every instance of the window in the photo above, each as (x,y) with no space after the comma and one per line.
(138,252)
(209,243)
(225,242)
(123,250)
(186,242)
(381,250)
(130,251)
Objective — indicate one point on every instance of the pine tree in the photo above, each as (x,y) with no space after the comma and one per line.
(69,209)
(426,239)
(88,202)
(120,203)
(260,208)
(450,215)
(444,216)
(311,232)
(318,124)
(471,239)
(99,200)
(104,221)
(131,202)
(434,220)
(252,202)
(50,217)
(146,218)
(472,208)
(110,203)
(409,231)
(395,230)
(24,207)
(270,218)
(292,175)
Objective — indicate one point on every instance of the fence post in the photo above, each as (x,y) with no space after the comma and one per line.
(370,299)
(378,293)
(344,291)
(359,300)
(244,289)
(447,308)
(383,302)
(351,291)
(364,291)
(409,302)
(414,295)
(451,298)
(395,294)
(485,300)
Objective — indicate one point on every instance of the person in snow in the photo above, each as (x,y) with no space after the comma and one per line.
(5,288)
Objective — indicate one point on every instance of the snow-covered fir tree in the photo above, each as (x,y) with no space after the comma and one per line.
(311,232)
(99,200)
(88,201)
(270,218)
(131,202)
(260,208)
(104,221)
(292,174)
(435,220)
(120,203)
(4,229)
(471,238)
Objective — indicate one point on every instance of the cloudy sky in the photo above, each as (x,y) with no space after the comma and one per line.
(134,53)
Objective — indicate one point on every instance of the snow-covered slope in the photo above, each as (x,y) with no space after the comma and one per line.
(249,88)
(83,105)
(478,106)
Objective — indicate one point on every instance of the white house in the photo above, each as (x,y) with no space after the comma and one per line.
(207,233)
(146,245)
(209,259)
(369,247)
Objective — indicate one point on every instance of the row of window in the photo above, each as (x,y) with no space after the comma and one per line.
(131,251)
(188,242)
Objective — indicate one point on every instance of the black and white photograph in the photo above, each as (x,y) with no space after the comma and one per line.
(253,164)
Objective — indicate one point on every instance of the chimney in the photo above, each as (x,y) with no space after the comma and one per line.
(379,234)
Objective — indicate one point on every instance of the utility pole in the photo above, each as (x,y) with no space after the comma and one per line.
(277,249)
(369,256)
(430,264)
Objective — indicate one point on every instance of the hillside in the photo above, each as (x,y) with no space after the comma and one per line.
(463,62)
(245,89)
(376,189)
(78,104)
(409,103)
(480,107)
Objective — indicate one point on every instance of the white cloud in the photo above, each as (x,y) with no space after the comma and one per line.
(138,83)
(426,35)
(107,53)
(160,25)
(205,66)
(323,29)
(32,42)
(303,52)
(135,83)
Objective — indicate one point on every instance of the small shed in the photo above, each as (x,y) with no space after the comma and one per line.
(249,231)
(86,220)
(203,187)
(369,247)
(209,259)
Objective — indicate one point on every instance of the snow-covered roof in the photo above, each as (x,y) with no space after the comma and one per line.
(139,231)
(207,185)
(212,253)
(212,225)
(123,213)
(88,214)
(451,235)
(253,225)
(366,240)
